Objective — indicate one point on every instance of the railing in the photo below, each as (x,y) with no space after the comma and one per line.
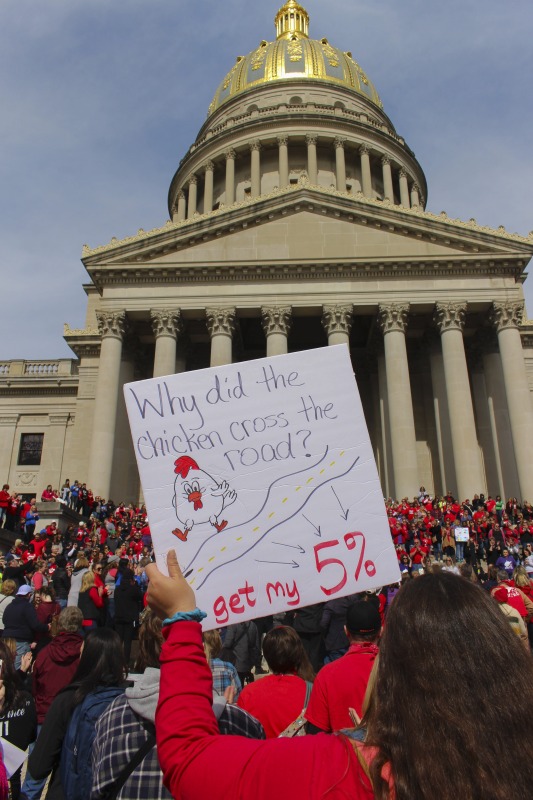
(38,369)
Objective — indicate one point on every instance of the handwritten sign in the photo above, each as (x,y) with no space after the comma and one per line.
(261,475)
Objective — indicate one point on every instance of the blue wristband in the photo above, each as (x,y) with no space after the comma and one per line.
(186,616)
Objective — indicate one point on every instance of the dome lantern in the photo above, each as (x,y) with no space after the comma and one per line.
(292,19)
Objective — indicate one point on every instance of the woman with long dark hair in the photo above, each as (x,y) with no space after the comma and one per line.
(435,728)
(98,679)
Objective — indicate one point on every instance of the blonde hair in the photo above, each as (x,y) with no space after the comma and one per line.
(87,582)
(521,577)
(81,563)
(212,644)
(11,644)
(9,587)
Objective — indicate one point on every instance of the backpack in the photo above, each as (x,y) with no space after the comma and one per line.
(75,765)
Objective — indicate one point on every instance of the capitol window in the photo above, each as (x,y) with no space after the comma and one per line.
(31,449)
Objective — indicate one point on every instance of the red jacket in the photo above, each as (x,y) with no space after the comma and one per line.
(54,668)
(190,747)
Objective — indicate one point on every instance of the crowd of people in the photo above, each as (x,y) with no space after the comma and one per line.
(108,680)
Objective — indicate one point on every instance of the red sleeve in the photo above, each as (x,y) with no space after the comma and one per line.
(95,597)
(189,745)
(38,581)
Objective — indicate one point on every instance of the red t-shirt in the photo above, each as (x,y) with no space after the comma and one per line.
(339,686)
(38,546)
(275,701)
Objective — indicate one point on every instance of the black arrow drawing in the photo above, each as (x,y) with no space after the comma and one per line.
(295,546)
(292,564)
(318,533)
(344,514)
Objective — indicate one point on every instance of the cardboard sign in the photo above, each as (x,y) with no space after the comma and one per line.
(462,534)
(261,475)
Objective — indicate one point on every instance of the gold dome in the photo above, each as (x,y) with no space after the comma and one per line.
(294,56)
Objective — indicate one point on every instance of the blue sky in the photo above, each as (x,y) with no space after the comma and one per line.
(101,99)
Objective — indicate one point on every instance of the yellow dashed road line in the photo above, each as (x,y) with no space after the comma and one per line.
(272,513)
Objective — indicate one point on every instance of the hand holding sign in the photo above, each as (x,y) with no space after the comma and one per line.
(168,595)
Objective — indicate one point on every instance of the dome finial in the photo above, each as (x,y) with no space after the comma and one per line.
(292,18)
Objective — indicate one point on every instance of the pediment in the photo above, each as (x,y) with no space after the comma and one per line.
(309,225)
(306,235)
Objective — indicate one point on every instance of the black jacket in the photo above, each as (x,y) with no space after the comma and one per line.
(128,599)
(61,583)
(242,638)
(46,754)
(21,621)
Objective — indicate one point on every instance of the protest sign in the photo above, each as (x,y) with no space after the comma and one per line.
(461,534)
(261,475)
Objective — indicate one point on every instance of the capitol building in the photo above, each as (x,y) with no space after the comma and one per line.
(297,219)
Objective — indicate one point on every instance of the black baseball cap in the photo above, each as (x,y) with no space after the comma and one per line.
(363,618)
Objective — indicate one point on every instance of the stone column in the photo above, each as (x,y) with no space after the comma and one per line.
(283,161)
(221,325)
(166,325)
(388,191)
(182,206)
(415,198)
(111,325)
(255,167)
(8,427)
(506,317)
(450,321)
(366,176)
(230,177)
(340,163)
(276,322)
(208,187)
(393,322)
(193,190)
(404,189)
(337,322)
(312,164)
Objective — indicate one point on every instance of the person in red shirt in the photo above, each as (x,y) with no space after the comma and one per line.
(48,495)
(341,685)
(5,500)
(39,543)
(418,553)
(490,505)
(278,699)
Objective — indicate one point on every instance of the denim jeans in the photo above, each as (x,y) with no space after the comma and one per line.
(459,550)
(22,647)
(32,788)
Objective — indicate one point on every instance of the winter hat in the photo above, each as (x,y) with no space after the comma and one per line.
(501,594)
(363,618)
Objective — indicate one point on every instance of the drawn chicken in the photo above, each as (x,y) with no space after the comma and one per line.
(198,497)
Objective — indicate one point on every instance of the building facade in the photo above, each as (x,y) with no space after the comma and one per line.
(297,220)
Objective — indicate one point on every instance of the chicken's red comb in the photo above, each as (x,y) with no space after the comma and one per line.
(183,464)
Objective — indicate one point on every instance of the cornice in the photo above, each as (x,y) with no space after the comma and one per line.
(82,341)
(355,269)
(352,207)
